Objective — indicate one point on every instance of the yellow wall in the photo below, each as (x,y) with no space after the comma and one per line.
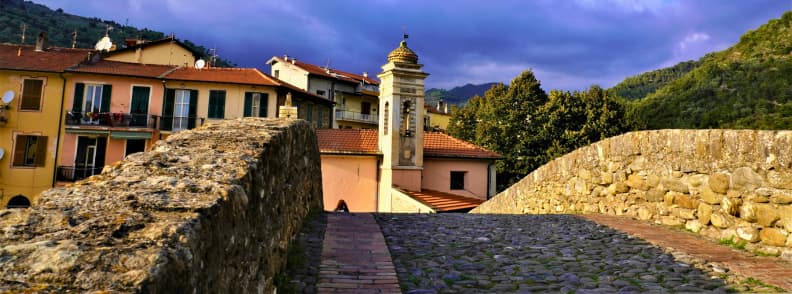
(437,119)
(168,53)
(235,97)
(29,181)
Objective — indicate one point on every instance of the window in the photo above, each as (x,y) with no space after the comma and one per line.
(30,150)
(320,92)
(93,98)
(134,146)
(31,94)
(256,104)
(458,180)
(216,104)
(277,73)
(181,110)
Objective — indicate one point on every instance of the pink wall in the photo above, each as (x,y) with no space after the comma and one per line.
(409,179)
(351,178)
(437,176)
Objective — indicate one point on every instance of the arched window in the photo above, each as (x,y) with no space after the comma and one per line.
(18,201)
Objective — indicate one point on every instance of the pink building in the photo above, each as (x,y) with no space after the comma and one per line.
(399,167)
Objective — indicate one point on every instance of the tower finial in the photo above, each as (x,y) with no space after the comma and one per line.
(404,34)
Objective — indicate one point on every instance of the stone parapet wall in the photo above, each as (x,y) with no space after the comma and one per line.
(211,210)
(720,183)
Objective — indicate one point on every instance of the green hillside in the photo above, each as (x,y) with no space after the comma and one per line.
(637,87)
(457,95)
(60,27)
(746,86)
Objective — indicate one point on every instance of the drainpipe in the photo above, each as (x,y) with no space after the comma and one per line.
(377,190)
(489,178)
(60,126)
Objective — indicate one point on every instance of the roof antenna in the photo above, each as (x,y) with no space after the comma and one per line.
(24,29)
(213,58)
(327,65)
(404,33)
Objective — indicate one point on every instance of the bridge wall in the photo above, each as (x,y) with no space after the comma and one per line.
(719,183)
(211,210)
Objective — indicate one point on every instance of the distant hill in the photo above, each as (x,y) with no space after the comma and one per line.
(637,87)
(746,86)
(457,95)
(60,26)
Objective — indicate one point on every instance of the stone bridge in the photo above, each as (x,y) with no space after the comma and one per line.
(213,210)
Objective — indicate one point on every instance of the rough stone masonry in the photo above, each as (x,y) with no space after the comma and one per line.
(725,184)
(211,210)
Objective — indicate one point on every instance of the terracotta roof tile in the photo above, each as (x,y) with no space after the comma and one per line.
(443,202)
(123,69)
(365,141)
(247,76)
(50,60)
(339,74)
(442,145)
(355,141)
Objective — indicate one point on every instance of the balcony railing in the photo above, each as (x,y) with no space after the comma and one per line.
(173,124)
(71,173)
(111,119)
(356,116)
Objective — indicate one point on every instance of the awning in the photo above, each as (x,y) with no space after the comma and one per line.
(87,132)
(130,135)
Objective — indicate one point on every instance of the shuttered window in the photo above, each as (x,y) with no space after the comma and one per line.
(30,150)
(31,94)
(216,104)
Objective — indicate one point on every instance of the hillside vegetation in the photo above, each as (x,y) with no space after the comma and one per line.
(639,86)
(457,95)
(61,26)
(746,86)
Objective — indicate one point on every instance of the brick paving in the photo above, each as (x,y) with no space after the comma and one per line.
(355,258)
(767,269)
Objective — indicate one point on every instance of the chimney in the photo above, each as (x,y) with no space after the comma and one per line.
(440,105)
(286,57)
(294,60)
(365,74)
(42,42)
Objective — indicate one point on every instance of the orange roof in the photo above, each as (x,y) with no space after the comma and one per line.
(20,57)
(441,201)
(358,141)
(123,69)
(247,76)
(442,145)
(333,73)
(365,142)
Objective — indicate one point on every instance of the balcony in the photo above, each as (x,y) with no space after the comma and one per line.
(72,174)
(111,119)
(356,116)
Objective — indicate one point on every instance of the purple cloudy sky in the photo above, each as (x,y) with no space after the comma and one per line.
(568,44)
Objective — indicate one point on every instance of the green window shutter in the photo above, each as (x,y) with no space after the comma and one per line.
(248,104)
(210,110)
(263,105)
(79,92)
(216,104)
(167,109)
(193,115)
(107,91)
(221,105)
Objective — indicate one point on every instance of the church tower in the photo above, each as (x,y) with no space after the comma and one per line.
(401,102)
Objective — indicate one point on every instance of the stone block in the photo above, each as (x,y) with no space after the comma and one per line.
(766,215)
(709,196)
(779,180)
(618,188)
(781,197)
(720,220)
(749,234)
(671,221)
(675,184)
(693,225)
(745,178)
(748,212)
(652,181)
(785,223)
(684,213)
(686,201)
(668,198)
(704,212)
(606,178)
(697,180)
(731,206)
(644,213)
(654,195)
(773,236)
(719,183)
(636,182)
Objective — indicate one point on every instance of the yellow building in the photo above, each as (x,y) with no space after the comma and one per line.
(355,96)
(29,122)
(436,118)
(167,51)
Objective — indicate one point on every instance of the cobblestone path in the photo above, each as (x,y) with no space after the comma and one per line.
(530,253)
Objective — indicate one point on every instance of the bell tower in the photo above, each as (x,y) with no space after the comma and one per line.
(401,102)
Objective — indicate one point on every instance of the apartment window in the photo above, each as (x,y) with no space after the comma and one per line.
(91,98)
(181,110)
(31,94)
(216,104)
(277,74)
(135,146)
(458,180)
(30,150)
(256,104)
(321,92)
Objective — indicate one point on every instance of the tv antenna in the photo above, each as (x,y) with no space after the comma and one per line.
(8,96)
(23,27)
(200,63)
(74,38)
(213,58)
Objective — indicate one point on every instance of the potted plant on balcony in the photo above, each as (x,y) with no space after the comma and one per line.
(73,117)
